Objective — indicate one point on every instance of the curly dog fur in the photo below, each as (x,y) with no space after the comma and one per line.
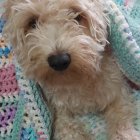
(63,46)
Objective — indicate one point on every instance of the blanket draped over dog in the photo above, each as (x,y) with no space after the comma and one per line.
(23,113)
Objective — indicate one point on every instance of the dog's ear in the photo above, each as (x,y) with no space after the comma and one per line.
(94,11)
(98,21)
(8,4)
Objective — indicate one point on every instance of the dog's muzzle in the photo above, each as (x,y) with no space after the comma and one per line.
(59,62)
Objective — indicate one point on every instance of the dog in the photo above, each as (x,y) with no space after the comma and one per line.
(63,46)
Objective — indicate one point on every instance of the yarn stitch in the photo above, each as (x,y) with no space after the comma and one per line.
(125,36)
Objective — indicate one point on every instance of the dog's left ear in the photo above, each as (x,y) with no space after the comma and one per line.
(98,21)
(95,13)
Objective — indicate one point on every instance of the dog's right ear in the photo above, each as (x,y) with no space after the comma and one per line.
(9,13)
(8,4)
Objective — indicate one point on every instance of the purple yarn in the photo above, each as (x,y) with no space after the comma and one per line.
(9,114)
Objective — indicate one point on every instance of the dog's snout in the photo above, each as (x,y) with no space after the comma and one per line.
(59,62)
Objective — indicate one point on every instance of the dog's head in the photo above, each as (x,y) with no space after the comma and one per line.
(57,41)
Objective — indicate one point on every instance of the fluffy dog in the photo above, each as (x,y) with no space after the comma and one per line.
(62,44)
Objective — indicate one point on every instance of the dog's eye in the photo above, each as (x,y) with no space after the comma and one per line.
(78,18)
(32,23)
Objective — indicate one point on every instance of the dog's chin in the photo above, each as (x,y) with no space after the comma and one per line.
(67,78)
(64,80)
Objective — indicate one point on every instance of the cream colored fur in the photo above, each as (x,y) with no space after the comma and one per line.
(92,82)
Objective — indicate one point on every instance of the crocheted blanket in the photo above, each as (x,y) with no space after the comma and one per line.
(23,113)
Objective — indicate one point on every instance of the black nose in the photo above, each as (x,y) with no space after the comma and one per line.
(59,62)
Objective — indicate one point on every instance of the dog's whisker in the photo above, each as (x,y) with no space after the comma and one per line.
(31,50)
(29,34)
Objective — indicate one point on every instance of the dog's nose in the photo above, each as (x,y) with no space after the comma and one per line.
(59,62)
